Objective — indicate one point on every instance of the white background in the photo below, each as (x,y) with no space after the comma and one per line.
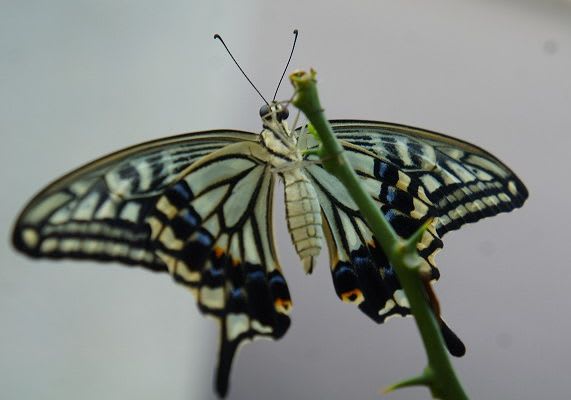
(79,79)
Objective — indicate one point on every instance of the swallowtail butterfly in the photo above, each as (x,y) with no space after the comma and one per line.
(198,206)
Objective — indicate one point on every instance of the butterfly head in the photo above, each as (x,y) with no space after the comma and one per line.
(274,111)
(274,116)
(276,134)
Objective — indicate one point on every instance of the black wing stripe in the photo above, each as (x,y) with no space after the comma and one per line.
(463,182)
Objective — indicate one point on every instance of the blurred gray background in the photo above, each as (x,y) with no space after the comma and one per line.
(79,79)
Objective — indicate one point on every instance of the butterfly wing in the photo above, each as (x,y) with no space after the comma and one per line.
(213,230)
(98,211)
(197,206)
(361,271)
(463,182)
(412,175)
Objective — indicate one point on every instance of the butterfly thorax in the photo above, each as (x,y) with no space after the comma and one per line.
(277,138)
(283,149)
(303,212)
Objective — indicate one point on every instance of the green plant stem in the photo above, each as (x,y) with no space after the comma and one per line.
(439,375)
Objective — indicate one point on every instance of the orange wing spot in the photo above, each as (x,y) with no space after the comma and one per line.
(218,252)
(282,305)
(372,244)
(353,296)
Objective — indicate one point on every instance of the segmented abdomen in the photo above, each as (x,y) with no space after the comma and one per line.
(303,217)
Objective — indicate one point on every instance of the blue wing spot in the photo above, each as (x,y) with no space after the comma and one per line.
(277,279)
(179,195)
(197,249)
(390,215)
(255,276)
(183,190)
(399,199)
(388,272)
(204,238)
(190,217)
(386,172)
(344,279)
(237,301)
(184,224)
(213,276)
(402,224)
(278,286)
(391,195)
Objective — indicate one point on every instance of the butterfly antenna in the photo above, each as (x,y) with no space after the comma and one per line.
(295,32)
(217,36)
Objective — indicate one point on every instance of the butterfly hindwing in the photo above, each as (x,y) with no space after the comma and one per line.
(212,228)
(361,272)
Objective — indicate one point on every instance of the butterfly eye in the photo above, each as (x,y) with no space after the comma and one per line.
(264,111)
(283,114)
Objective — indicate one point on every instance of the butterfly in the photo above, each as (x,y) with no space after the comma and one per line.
(198,206)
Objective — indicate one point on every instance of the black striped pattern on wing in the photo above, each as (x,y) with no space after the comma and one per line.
(413,175)
(361,272)
(463,182)
(213,230)
(197,206)
(98,211)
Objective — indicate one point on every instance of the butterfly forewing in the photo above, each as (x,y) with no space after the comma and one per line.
(98,211)
(463,182)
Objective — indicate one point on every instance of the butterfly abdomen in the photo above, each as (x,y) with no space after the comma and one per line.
(303,215)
